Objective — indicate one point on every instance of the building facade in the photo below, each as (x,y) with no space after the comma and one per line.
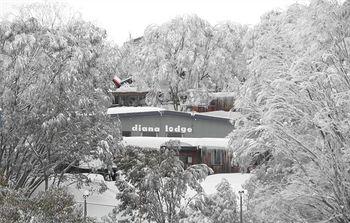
(139,121)
(202,136)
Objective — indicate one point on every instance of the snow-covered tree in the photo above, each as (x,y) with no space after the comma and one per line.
(153,183)
(53,87)
(54,205)
(220,207)
(185,53)
(295,115)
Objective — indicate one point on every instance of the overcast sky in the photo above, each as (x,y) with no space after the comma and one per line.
(126,18)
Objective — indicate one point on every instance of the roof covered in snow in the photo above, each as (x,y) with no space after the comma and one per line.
(128,88)
(127,110)
(219,114)
(157,142)
(130,111)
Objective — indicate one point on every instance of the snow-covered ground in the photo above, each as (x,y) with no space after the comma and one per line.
(235,179)
(100,204)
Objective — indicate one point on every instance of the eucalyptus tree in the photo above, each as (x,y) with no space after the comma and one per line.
(185,53)
(53,87)
(153,184)
(294,114)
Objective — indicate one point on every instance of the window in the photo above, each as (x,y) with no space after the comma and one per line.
(217,157)
(189,159)
(174,134)
(183,159)
(186,160)
(126,133)
(149,134)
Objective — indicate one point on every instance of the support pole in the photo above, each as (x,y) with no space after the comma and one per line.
(85,212)
(240,205)
(85,195)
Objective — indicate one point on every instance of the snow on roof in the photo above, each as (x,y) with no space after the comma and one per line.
(157,142)
(131,89)
(132,110)
(128,88)
(126,110)
(221,114)
(218,114)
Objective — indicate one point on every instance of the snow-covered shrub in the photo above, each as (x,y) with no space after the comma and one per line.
(220,207)
(153,183)
(54,205)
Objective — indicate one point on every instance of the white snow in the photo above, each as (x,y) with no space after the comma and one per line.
(129,109)
(217,114)
(126,110)
(221,114)
(235,179)
(129,88)
(98,204)
(157,142)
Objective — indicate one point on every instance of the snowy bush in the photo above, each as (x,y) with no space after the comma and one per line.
(153,183)
(220,207)
(54,205)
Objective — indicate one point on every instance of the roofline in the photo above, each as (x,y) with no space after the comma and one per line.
(126,92)
(167,112)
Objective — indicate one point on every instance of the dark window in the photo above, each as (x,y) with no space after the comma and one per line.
(216,157)
(126,133)
(202,109)
(174,134)
(116,99)
(186,160)
(183,159)
(149,134)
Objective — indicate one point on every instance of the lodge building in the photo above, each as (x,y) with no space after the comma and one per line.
(202,136)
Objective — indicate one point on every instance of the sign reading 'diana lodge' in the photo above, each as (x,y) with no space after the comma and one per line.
(140,128)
